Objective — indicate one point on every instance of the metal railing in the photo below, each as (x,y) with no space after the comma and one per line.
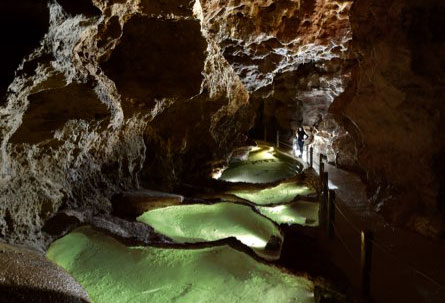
(281,142)
(329,209)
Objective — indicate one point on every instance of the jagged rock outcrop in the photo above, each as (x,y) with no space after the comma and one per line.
(116,91)
(291,54)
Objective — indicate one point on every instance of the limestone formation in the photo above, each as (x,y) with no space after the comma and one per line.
(116,90)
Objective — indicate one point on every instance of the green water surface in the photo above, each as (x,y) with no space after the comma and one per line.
(114,273)
(282,193)
(203,223)
(264,165)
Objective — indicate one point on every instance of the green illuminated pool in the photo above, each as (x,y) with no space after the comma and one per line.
(203,223)
(283,193)
(264,165)
(300,212)
(113,273)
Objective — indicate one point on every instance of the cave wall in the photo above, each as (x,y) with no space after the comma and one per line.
(396,103)
(111,95)
(102,96)
(365,77)
(293,54)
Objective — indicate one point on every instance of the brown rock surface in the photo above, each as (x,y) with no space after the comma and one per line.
(396,103)
(116,91)
(135,203)
(293,54)
(27,276)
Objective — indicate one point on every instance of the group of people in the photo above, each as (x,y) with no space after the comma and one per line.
(298,141)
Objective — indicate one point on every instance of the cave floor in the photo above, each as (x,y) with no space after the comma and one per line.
(215,252)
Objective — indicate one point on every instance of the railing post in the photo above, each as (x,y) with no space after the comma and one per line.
(365,262)
(325,187)
(321,167)
(311,159)
(331,213)
(265,133)
(278,138)
(323,199)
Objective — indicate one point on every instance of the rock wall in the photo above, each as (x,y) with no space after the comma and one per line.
(115,91)
(366,77)
(396,103)
(291,54)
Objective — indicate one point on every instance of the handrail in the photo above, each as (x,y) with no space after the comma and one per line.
(383,249)
(346,218)
(374,242)
(351,254)
(356,229)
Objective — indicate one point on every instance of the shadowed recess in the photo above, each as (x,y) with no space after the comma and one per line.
(30,20)
(84,7)
(50,110)
(158,59)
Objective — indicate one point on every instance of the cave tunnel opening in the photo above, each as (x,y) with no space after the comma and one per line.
(150,151)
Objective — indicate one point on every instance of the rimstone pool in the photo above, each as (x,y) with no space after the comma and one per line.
(197,263)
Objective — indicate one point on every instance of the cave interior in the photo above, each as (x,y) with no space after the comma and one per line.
(151,152)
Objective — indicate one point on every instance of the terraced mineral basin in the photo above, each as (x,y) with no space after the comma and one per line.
(113,273)
(199,223)
(264,165)
(299,212)
(282,193)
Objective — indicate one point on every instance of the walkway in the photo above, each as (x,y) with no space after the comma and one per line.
(406,267)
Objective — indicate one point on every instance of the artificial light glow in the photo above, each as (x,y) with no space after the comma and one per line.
(283,193)
(252,241)
(331,185)
(217,174)
(263,165)
(254,149)
(300,212)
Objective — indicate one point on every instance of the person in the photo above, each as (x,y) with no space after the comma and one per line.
(299,139)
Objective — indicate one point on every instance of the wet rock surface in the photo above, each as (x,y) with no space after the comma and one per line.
(27,276)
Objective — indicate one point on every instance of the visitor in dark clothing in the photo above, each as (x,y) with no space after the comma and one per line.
(301,136)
